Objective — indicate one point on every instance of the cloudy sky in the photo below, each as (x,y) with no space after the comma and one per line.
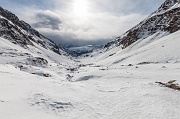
(82,22)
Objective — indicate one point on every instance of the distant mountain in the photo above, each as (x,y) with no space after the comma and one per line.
(164,21)
(21,33)
(79,50)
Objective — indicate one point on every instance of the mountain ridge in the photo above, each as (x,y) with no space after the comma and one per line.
(162,20)
(20,32)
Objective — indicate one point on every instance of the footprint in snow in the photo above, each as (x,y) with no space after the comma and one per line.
(2,101)
(49,104)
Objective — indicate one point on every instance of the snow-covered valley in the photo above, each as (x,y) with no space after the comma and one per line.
(89,89)
(121,80)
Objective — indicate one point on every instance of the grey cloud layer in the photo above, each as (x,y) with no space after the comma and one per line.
(47,19)
(98,29)
(107,18)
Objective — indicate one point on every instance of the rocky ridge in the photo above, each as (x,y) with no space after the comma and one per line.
(164,20)
(21,33)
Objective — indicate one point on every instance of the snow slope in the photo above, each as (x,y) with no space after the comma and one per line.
(93,91)
(88,89)
(32,59)
(150,50)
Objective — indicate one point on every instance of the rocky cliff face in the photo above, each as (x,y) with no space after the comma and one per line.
(165,19)
(19,32)
(167,4)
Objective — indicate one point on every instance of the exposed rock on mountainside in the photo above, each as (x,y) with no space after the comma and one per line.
(19,32)
(167,4)
(165,20)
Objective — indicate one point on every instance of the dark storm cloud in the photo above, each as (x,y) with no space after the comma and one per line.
(47,19)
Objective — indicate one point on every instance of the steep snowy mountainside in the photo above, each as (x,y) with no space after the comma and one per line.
(144,51)
(162,22)
(167,5)
(21,33)
(26,49)
(35,59)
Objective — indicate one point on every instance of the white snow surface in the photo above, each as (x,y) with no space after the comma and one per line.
(104,86)
(152,49)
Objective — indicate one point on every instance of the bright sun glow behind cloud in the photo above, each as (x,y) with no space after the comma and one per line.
(80,8)
(82,22)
